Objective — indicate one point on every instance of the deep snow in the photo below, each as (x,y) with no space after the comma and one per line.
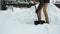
(21,21)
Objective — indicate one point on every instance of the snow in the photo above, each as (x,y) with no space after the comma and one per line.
(21,21)
(21,29)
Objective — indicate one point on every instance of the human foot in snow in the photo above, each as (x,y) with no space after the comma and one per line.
(39,22)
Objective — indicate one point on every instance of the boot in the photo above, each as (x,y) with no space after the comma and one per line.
(39,22)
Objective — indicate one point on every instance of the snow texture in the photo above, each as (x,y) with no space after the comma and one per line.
(21,21)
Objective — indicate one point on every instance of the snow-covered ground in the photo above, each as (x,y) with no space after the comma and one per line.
(21,21)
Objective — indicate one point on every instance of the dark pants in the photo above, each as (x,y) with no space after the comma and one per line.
(42,2)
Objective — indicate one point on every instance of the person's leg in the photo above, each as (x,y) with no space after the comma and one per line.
(39,14)
(39,18)
(45,12)
(38,11)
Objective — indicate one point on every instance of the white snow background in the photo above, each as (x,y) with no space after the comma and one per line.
(21,21)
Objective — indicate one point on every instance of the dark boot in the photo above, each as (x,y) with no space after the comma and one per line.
(42,21)
(36,22)
(39,22)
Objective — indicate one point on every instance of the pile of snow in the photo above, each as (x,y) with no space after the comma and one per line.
(54,14)
(18,15)
(28,15)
